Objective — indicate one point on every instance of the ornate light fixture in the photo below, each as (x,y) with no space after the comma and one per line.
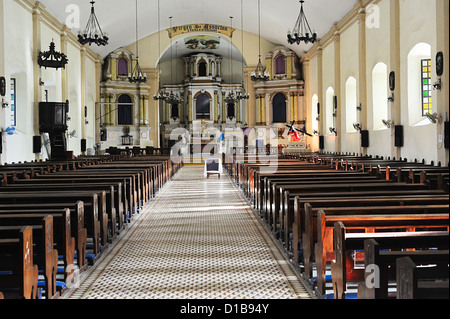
(231,98)
(260,73)
(52,59)
(302,31)
(242,95)
(172,98)
(93,32)
(137,76)
(161,94)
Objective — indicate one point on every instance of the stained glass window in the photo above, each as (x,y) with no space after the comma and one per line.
(427,100)
(13,102)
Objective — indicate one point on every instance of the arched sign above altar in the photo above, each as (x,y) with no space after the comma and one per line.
(200,28)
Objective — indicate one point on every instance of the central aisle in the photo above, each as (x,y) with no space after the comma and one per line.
(199,239)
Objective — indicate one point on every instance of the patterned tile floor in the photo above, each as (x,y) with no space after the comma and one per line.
(198,239)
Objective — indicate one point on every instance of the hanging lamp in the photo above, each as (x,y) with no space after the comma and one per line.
(93,32)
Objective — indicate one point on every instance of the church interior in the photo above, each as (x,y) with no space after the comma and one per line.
(236,149)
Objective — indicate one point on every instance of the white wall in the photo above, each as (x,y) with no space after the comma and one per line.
(417,21)
(18,60)
(18,63)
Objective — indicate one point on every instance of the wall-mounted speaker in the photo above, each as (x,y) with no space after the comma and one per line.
(83,145)
(365,138)
(322,142)
(37,144)
(446,134)
(399,136)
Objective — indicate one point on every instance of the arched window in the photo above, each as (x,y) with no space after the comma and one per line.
(280,65)
(420,100)
(279,108)
(125,110)
(122,65)
(350,104)
(202,67)
(203,107)
(380,95)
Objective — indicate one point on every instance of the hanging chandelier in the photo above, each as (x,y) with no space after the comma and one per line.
(302,31)
(137,76)
(93,32)
(231,98)
(161,93)
(260,74)
(52,58)
(174,99)
(242,95)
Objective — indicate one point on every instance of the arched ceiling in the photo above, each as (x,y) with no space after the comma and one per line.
(118,17)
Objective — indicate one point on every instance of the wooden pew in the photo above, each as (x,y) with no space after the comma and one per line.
(67,227)
(369,219)
(288,194)
(134,176)
(18,272)
(282,203)
(414,282)
(45,256)
(126,181)
(342,268)
(109,190)
(119,196)
(306,212)
(62,232)
(381,271)
(435,180)
(269,193)
(95,216)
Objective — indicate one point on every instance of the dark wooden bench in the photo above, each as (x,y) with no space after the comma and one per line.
(345,243)
(128,193)
(109,190)
(66,227)
(266,190)
(44,254)
(279,204)
(63,240)
(135,177)
(119,196)
(370,220)
(383,280)
(305,216)
(416,282)
(18,273)
(288,194)
(95,217)
(435,180)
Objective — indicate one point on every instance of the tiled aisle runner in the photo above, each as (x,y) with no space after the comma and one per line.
(199,239)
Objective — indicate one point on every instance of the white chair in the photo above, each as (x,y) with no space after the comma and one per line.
(213,166)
